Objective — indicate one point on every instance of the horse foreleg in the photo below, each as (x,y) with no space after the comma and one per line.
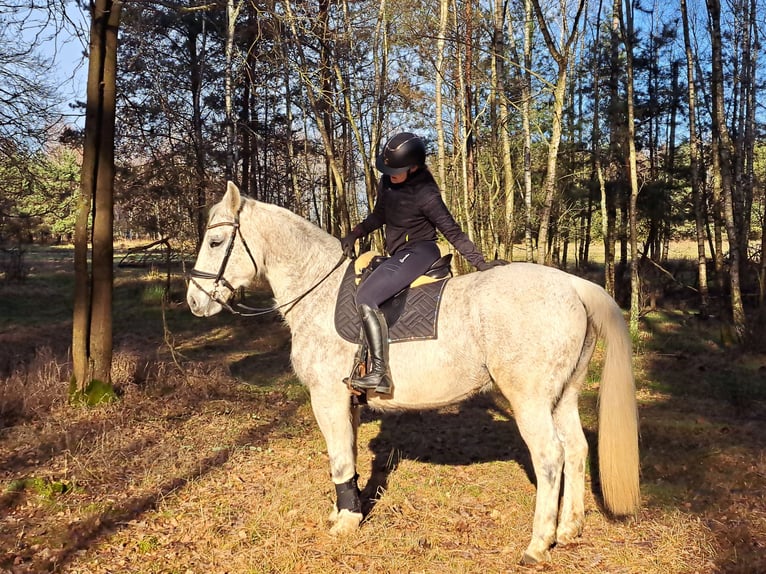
(547,452)
(567,420)
(338,423)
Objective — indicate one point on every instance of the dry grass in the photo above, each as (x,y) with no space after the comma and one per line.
(215,465)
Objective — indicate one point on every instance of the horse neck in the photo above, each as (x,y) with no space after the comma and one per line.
(294,253)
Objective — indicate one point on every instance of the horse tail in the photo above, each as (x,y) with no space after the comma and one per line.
(618,413)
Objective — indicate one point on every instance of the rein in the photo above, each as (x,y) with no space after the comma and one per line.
(255,311)
(241,309)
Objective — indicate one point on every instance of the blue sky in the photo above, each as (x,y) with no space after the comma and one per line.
(61,48)
(71,63)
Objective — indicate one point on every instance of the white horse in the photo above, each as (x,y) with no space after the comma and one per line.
(529,329)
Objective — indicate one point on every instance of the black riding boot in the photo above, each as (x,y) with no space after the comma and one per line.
(376,332)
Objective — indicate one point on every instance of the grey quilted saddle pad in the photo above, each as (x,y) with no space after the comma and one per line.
(411,315)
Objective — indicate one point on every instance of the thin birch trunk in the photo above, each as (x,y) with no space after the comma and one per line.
(699,211)
(232,13)
(526,127)
(498,65)
(441,153)
(721,134)
(561,57)
(635,280)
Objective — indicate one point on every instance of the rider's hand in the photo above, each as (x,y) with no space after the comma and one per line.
(347,243)
(484,265)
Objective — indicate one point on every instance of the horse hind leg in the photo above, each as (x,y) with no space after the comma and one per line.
(547,452)
(566,417)
(569,428)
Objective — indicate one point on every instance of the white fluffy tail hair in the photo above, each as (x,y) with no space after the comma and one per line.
(618,414)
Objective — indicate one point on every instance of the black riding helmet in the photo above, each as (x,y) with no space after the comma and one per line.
(401,152)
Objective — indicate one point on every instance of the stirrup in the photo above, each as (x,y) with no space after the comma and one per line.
(358,395)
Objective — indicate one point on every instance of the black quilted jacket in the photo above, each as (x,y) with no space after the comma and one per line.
(413,211)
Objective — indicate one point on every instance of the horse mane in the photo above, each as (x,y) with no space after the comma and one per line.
(291,237)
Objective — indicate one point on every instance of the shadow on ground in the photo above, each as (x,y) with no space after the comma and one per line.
(477,430)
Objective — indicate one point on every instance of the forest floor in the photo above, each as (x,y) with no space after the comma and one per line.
(211,461)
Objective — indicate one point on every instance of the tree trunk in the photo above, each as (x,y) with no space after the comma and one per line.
(82,280)
(611,192)
(92,320)
(498,88)
(460,139)
(721,134)
(195,63)
(297,194)
(232,13)
(526,103)
(744,140)
(380,65)
(468,122)
(635,281)
(697,198)
(441,153)
(561,57)
(550,183)
(750,119)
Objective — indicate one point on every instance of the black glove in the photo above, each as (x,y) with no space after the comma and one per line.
(484,265)
(347,244)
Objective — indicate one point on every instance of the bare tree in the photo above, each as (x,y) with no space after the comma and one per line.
(526,106)
(92,320)
(725,150)
(500,98)
(627,28)
(696,184)
(318,81)
(561,54)
(30,107)
(233,10)
(438,88)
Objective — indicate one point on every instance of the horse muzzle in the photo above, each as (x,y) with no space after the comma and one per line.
(201,304)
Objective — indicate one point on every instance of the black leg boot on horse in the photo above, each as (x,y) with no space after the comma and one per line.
(376,332)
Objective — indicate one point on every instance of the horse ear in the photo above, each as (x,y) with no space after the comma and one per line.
(232,199)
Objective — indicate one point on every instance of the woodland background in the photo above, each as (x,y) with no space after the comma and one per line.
(551,125)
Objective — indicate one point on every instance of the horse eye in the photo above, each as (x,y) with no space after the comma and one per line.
(215,242)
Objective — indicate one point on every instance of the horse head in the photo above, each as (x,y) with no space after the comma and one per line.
(224,263)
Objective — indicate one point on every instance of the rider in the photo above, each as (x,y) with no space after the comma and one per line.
(410,206)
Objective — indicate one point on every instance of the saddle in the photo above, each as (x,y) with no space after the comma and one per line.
(411,314)
(369,261)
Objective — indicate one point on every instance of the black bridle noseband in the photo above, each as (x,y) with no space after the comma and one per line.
(220,280)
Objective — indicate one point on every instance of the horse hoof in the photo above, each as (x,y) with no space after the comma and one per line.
(530,559)
(568,536)
(346,522)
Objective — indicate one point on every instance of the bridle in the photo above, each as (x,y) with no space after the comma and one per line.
(220,280)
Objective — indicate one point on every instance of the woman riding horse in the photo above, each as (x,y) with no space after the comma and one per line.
(531,331)
(410,206)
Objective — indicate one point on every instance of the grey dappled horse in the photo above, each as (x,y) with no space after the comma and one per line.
(529,329)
